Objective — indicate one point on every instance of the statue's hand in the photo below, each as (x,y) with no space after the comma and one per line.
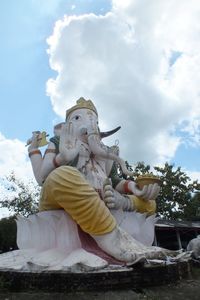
(34,141)
(68,142)
(148,192)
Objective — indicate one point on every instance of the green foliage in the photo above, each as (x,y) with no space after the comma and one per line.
(8,232)
(176,193)
(21,198)
(192,210)
(139,169)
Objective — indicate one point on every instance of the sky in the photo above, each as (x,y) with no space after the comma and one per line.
(138,60)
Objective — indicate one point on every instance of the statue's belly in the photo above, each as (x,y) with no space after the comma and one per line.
(96,178)
(94,172)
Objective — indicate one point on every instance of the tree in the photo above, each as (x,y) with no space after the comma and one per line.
(8,232)
(139,169)
(21,198)
(176,192)
(192,210)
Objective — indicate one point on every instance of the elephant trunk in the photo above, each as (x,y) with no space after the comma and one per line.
(101,151)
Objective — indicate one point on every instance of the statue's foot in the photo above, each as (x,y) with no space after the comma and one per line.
(108,196)
(121,246)
(114,199)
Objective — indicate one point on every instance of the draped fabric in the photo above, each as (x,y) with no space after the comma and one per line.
(66,188)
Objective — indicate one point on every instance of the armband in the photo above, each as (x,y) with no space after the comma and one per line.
(33,152)
(126,189)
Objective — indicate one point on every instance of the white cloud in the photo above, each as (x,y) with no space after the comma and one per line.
(193,175)
(14,158)
(122,61)
(4,213)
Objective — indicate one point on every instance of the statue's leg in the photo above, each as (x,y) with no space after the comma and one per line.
(66,188)
(143,206)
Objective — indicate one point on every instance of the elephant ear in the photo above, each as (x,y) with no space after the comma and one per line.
(57,128)
(108,133)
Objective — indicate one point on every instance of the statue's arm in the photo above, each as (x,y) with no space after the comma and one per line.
(148,192)
(48,163)
(36,162)
(42,166)
(35,155)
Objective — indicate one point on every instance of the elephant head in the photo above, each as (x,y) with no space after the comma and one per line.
(84,118)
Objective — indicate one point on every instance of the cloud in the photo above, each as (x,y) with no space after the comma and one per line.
(193,175)
(14,158)
(4,213)
(123,62)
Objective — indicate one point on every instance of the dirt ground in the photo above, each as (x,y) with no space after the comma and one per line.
(184,289)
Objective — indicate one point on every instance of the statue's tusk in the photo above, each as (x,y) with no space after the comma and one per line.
(108,133)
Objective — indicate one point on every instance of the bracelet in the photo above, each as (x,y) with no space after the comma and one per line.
(34,152)
(126,189)
(49,151)
(56,165)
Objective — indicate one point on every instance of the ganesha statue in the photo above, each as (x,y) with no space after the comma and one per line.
(88,215)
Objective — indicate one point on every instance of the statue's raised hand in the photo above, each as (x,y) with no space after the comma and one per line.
(148,192)
(34,141)
(69,144)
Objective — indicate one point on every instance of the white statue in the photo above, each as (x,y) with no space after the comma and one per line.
(87,213)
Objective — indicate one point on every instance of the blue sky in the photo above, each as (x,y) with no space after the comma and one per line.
(130,52)
(25,26)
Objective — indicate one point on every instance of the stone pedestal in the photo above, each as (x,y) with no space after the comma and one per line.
(117,278)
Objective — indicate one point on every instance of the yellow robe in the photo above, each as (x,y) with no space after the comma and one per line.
(66,188)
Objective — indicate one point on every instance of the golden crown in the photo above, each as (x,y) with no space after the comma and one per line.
(82,103)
